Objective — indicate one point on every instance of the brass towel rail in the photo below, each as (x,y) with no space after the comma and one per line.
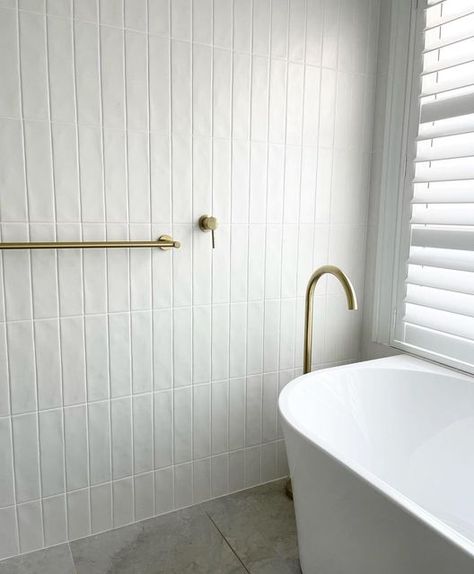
(163,242)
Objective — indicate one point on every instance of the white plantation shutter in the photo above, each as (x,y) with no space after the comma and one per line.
(435,311)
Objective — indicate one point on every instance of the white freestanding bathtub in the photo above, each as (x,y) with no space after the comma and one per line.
(381,457)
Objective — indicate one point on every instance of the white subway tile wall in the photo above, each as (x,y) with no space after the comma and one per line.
(134,383)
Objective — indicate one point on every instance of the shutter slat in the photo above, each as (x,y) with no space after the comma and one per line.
(446,279)
(443,238)
(450,108)
(443,214)
(450,196)
(441,344)
(449,127)
(458,303)
(440,20)
(452,323)
(443,258)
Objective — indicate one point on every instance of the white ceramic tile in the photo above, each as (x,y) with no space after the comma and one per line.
(223,12)
(94,265)
(182,267)
(181,86)
(241,95)
(202,21)
(9,544)
(143,433)
(114,175)
(237,390)
(163,423)
(75,430)
(314,31)
(219,475)
(111,12)
(136,14)
(221,265)
(101,508)
(276,183)
(78,513)
(66,181)
(73,360)
(289,261)
(236,470)
(287,329)
(237,340)
(258,182)
(182,346)
(279,32)
(222,70)
(159,17)
(85,10)
(219,415)
(240,181)
(111,42)
(202,177)
(26,463)
(17,285)
(123,502)
(239,263)
(9,100)
(4,382)
(138,177)
(220,342)
(33,66)
(122,456)
(202,86)
(273,261)
(21,367)
(142,359)
(159,66)
(51,433)
(92,193)
(221,179)
(162,349)
(256,262)
(164,490)
(259,113)
(140,270)
(120,362)
(30,524)
(99,442)
(181,15)
(255,337)
(61,70)
(6,466)
(13,191)
(201,480)
(201,421)
(39,176)
(242,25)
(271,335)
(252,466)
(54,518)
(261,26)
(144,496)
(277,103)
(86,49)
(182,425)
(97,358)
(294,120)
(297,30)
(327,109)
(182,178)
(183,485)
(269,468)
(269,407)
(202,344)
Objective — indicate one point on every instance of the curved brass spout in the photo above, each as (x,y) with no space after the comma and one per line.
(308,328)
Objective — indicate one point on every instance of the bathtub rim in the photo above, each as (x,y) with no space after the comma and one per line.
(399,362)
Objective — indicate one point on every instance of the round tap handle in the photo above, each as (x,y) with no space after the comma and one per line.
(209,223)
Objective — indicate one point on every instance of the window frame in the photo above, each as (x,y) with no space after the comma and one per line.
(396,185)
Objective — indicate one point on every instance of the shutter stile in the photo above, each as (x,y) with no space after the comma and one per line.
(437,317)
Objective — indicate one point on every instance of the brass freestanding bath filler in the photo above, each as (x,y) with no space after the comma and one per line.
(308,324)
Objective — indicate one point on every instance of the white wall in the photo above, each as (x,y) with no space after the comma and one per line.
(135,383)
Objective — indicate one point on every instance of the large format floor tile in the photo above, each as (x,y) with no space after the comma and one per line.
(178,543)
(252,532)
(260,526)
(56,560)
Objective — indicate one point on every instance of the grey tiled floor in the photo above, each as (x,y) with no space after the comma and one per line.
(252,531)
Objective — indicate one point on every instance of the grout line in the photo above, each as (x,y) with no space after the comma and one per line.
(234,552)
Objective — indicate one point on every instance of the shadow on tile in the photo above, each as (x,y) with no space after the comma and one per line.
(178,543)
(260,526)
(56,560)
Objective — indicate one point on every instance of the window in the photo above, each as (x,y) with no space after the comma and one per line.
(434,290)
